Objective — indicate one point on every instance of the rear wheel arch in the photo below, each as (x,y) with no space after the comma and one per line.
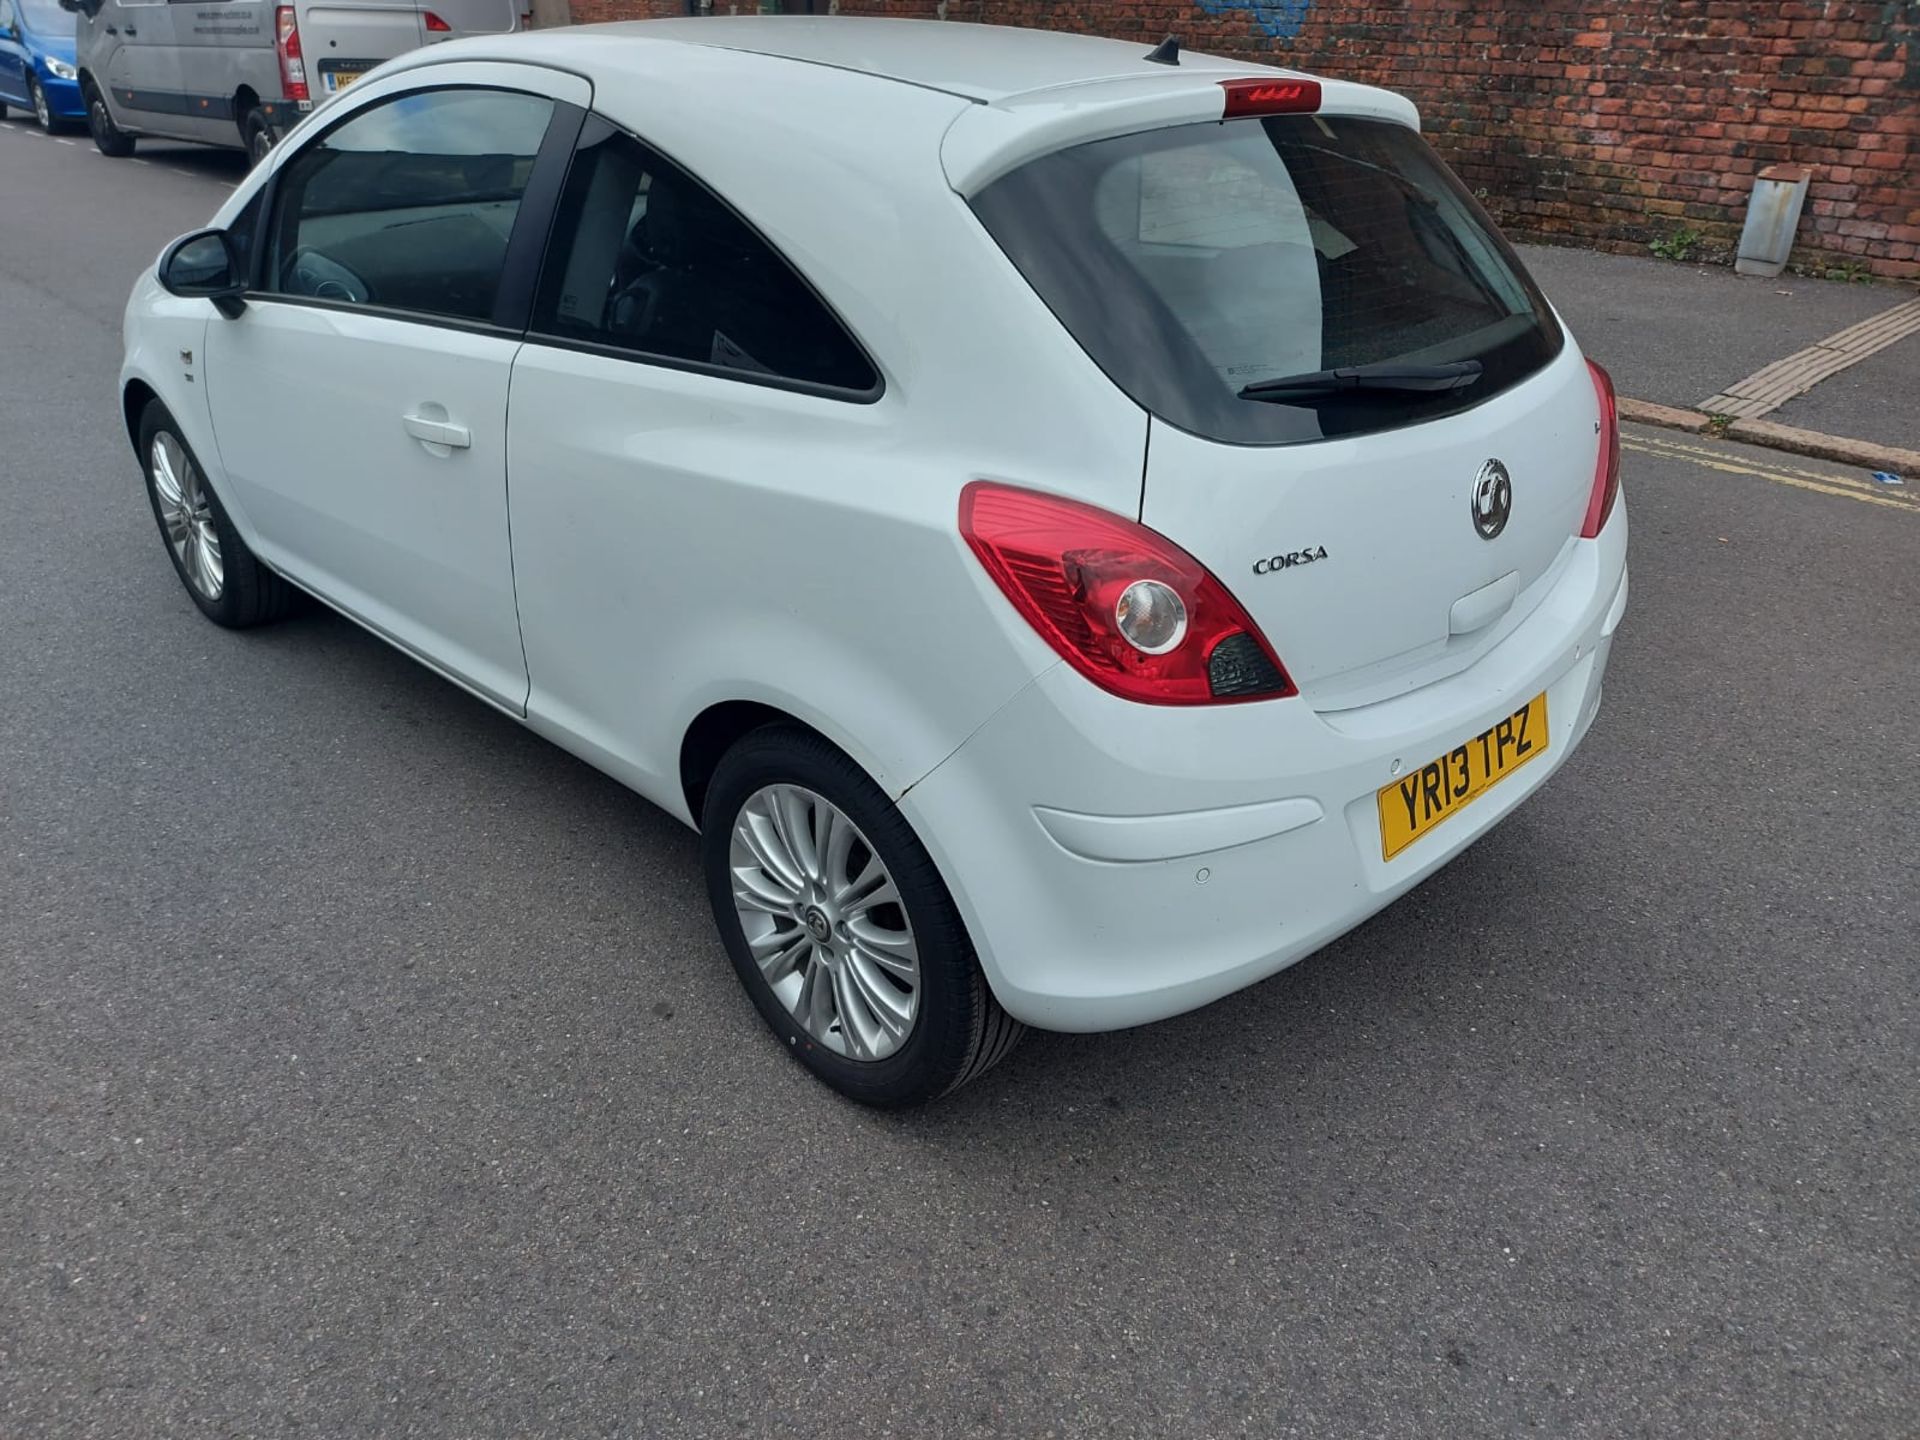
(715,731)
(722,724)
(249,118)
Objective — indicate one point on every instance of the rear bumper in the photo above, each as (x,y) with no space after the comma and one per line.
(1120,863)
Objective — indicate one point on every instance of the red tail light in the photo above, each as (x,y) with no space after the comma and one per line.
(1606,471)
(1127,608)
(1270,97)
(293,69)
(437,26)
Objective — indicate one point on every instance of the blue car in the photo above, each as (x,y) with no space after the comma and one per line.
(37,72)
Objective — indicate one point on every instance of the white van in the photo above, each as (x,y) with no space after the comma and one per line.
(240,73)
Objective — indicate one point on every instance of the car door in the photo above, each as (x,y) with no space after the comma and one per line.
(13,57)
(360,400)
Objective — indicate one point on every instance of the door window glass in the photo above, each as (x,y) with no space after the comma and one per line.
(409,205)
(646,259)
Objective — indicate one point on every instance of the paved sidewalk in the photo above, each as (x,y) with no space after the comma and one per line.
(1677,334)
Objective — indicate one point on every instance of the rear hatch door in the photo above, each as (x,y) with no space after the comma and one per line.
(1367,560)
(1368,423)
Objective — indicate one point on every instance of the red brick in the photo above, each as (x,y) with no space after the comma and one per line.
(1594,123)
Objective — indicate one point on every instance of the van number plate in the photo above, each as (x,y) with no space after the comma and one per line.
(337,80)
(1424,798)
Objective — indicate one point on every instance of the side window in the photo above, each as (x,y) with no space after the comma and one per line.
(408,205)
(646,259)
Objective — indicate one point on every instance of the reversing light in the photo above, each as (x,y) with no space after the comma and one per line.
(1270,97)
(1152,617)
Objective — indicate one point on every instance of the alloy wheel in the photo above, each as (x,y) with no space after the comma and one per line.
(41,112)
(824,922)
(186,512)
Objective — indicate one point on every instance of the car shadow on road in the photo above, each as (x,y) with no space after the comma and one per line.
(228,167)
(1412,1013)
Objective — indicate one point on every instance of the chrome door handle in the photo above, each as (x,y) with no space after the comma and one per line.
(438,432)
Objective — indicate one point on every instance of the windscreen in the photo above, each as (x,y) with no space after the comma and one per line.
(1197,262)
(45,17)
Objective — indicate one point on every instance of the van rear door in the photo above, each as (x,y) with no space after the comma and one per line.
(343,39)
(477,17)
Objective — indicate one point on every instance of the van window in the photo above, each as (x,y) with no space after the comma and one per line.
(1194,261)
(646,259)
(408,205)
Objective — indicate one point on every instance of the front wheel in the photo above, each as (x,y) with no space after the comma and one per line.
(108,138)
(42,111)
(840,927)
(228,584)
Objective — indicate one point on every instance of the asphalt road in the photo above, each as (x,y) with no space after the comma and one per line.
(369,1067)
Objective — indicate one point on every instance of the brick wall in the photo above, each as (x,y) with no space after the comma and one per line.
(1600,124)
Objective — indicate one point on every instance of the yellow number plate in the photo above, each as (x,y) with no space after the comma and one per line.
(1420,800)
(338,80)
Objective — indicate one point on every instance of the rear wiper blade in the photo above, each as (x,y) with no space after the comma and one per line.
(1403,379)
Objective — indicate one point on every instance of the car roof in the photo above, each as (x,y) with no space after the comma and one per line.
(1020,93)
(983,63)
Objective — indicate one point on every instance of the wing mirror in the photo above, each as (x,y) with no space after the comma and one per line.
(206,265)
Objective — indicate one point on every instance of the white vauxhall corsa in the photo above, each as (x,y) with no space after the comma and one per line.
(1075,531)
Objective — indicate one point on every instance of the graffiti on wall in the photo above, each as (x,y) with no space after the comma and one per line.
(1278,19)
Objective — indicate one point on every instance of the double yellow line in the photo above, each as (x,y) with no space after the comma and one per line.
(1825,483)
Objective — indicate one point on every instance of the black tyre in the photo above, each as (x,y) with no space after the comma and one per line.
(256,134)
(42,111)
(841,928)
(108,138)
(231,587)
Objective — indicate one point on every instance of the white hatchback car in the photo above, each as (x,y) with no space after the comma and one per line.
(1076,530)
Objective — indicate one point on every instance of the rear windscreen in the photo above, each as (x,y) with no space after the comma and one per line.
(1197,260)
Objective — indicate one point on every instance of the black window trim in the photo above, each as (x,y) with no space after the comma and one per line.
(526,243)
(599,128)
(568,132)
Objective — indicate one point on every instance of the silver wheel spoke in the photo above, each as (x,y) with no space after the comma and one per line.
(769,850)
(814,1008)
(891,950)
(888,1006)
(165,478)
(780,953)
(872,886)
(846,1000)
(755,889)
(790,818)
(210,562)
